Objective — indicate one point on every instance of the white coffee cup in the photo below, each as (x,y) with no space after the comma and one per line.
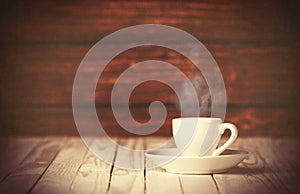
(200,136)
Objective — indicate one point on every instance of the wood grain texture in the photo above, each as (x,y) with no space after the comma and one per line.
(198,184)
(235,180)
(272,167)
(157,180)
(252,74)
(63,169)
(43,43)
(253,121)
(94,174)
(160,181)
(278,161)
(15,151)
(74,22)
(32,167)
(131,178)
(267,170)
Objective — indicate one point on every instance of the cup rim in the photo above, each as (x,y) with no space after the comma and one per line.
(198,118)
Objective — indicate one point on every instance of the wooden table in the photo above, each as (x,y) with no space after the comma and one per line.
(65,165)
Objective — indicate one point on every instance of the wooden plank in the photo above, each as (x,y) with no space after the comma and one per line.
(244,52)
(50,69)
(37,121)
(126,180)
(157,180)
(198,184)
(279,172)
(63,169)
(28,172)
(160,181)
(260,56)
(232,182)
(13,152)
(286,162)
(61,57)
(72,22)
(94,174)
(269,169)
(42,44)
(252,121)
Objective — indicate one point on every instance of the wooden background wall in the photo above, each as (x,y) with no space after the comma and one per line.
(255,43)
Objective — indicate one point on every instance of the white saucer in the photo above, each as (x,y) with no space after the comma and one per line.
(167,159)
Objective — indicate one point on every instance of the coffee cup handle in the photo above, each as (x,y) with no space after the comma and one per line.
(233,136)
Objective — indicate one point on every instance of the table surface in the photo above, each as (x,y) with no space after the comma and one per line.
(65,165)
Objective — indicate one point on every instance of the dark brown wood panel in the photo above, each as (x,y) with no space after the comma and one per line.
(270,121)
(255,43)
(54,21)
(252,74)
